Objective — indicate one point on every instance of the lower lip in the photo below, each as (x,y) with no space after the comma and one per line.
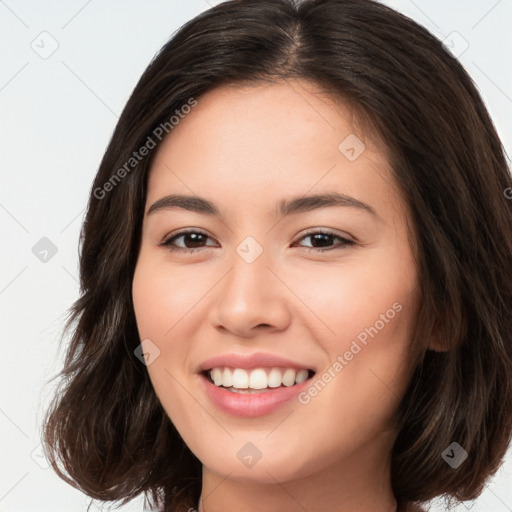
(251,405)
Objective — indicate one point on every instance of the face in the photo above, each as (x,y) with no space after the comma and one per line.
(267,288)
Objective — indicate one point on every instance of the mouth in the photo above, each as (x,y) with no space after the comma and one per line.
(256,380)
(253,385)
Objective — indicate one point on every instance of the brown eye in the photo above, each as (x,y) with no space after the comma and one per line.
(324,240)
(192,239)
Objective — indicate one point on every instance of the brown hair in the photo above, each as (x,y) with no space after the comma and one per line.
(106,425)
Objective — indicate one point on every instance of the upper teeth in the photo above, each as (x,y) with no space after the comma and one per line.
(257,378)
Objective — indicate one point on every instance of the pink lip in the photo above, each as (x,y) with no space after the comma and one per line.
(249,361)
(251,405)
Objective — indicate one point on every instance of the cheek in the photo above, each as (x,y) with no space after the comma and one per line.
(364,320)
(162,297)
(345,300)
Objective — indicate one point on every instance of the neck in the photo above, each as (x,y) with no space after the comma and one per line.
(361,482)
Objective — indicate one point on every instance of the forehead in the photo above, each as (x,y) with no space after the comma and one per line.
(246,143)
(275,116)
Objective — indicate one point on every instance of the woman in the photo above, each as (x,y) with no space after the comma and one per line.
(217,362)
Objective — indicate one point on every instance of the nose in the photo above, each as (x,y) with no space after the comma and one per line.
(250,299)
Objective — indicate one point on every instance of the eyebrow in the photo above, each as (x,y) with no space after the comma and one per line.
(284,208)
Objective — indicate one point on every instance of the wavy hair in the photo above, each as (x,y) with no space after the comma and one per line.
(106,433)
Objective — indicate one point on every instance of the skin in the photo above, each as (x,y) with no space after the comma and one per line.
(245,149)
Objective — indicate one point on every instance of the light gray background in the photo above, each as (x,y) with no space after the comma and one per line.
(58,114)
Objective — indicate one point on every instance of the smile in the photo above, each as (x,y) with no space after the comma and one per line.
(256,380)
(253,393)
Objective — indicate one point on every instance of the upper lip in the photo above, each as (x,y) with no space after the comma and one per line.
(249,361)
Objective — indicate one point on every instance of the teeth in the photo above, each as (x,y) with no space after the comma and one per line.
(240,379)
(256,379)
(227,377)
(289,377)
(274,378)
(216,375)
(302,375)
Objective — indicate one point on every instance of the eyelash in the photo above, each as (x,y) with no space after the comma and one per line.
(168,241)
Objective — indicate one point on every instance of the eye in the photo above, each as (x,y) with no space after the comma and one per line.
(325,238)
(196,238)
(193,236)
